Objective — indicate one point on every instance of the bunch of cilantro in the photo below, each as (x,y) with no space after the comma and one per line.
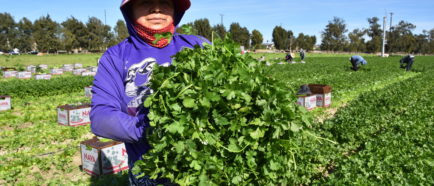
(217,118)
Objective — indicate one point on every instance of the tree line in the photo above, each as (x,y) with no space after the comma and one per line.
(399,38)
(46,35)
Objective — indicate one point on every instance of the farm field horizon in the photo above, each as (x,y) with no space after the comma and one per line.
(377,131)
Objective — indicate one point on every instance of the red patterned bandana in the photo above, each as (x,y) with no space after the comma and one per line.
(147,34)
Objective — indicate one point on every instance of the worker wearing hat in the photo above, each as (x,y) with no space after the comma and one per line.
(406,62)
(357,61)
(124,72)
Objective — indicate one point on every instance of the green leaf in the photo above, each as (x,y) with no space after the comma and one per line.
(188,103)
(258,133)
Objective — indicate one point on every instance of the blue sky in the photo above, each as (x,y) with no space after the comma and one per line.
(309,17)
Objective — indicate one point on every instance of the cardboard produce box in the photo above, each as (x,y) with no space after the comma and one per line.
(88,73)
(307,101)
(10,74)
(78,71)
(78,65)
(42,76)
(56,71)
(323,94)
(24,75)
(73,115)
(5,103)
(31,68)
(68,67)
(88,91)
(99,158)
(43,66)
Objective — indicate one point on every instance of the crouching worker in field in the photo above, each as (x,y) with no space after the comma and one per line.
(288,58)
(406,62)
(125,70)
(357,61)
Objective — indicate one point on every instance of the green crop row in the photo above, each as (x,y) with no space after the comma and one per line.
(36,88)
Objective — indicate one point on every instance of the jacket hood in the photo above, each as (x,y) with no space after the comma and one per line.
(180,7)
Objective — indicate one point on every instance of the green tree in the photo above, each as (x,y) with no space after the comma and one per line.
(376,34)
(99,35)
(239,34)
(333,36)
(220,30)
(7,31)
(24,35)
(203,28)
(401,39)
(75,33)
(257,39)
(282,38)
(121,31)
(305,42)
(357,42)
(45,34)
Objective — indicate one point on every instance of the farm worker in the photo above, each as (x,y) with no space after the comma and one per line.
(357,61)
(125,70)
(302,55)
(408,61)
(288,57)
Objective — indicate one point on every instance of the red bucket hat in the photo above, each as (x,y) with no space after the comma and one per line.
(180,5)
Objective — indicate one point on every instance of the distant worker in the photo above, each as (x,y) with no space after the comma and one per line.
(408,61)
(302,55)
(357,61)
(289,58)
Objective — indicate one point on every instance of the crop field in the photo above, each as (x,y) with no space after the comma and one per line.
(379,129)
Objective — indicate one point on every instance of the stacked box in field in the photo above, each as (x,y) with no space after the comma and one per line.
(24,75)
(5,103)
(73,115)
(56,71)
(68,67)
(31,68)
(87,73)
(42,76)
(78,71)
(43,66)
(307,101)
(92,69)
(88,91)
(78,65)
(323,94)
(99,158)
(10,74)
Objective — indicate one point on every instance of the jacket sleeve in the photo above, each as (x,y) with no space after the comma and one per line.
(109,118)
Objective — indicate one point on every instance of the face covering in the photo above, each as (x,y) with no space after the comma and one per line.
(147,34)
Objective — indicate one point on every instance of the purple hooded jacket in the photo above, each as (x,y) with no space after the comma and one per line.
(122,81)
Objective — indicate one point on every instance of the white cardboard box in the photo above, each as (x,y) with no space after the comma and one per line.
(99,158)
(88,73)
(43,66)
(78,71)
(324,100)
(42,76)
(78,65)
(56,71)
(24,75)
(5,103)
(10,74)
(88,91)
(309,102)
(73,115)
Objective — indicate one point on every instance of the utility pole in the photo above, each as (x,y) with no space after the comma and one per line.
(221,16)
(105,17)
(384,36)
(390,27)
